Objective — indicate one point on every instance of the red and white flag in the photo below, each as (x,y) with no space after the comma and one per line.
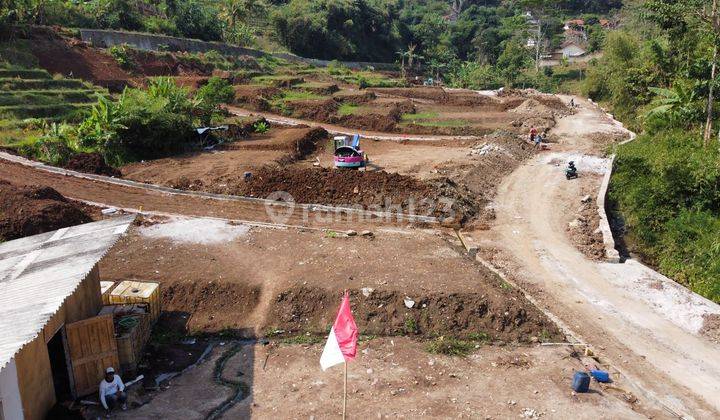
(341,344)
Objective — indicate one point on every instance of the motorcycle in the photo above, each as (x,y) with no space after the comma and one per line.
(571,171)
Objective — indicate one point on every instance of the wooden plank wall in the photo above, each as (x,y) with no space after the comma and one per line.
(92,348)
(33,362)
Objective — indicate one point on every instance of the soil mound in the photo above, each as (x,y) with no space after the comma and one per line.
(371,122)
(317,110)
(92,163)
(542,106)
(469,99)
(299,143)
(501,315)
(31,210)
(372,190)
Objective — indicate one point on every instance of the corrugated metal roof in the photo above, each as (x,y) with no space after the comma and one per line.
(39,272)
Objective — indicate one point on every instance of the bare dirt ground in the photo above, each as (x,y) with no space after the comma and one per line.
(229,160)
(232,277)
(415,111)
(653,335)
(391,378)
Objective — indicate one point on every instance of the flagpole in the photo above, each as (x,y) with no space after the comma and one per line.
(345,392)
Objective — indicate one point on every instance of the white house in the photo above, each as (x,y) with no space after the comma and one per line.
(572,49)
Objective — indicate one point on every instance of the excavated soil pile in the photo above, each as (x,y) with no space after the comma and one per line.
(208,302)
(74,58)
(92,163)
(502,315)
(255,96)
(584,230)
(31,210)
(372,190)
(316,110)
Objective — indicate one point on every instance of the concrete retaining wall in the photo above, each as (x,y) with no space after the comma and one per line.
(151,42)
(611,253)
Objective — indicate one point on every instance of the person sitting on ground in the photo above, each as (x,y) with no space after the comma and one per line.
(538,140)
(112,391)
(572,102)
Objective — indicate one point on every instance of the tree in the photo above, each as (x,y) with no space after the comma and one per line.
(714,21)
(538,25)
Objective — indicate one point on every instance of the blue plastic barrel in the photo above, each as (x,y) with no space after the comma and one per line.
(581,382)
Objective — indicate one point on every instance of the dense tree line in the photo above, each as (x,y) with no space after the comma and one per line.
(661,78)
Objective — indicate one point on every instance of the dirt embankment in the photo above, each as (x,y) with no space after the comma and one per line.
(92,163)
(30,210)
(381,191)
(202,306)
(384,120)
(76,59)
(497,315)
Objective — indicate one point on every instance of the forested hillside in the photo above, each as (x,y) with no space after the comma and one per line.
(659,75)
(478,43)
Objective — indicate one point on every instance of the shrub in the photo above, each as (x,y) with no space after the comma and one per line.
(668,190)
(195,20)
(450,346)
(121,54)
(142,124)
(261,127)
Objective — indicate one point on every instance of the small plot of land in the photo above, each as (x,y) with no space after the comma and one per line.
(390,378)
(262,279)
(200,169)
(420,110)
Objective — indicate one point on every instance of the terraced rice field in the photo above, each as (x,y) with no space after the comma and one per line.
(34,93)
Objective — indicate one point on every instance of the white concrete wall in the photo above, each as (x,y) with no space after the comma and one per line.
(10,393)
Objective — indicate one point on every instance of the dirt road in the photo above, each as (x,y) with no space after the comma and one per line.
(643,324)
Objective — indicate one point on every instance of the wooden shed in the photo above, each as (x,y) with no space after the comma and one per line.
(52,343)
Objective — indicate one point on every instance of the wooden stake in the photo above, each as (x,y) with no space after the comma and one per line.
(345,393)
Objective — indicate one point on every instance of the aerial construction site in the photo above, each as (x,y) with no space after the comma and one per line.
(482,273)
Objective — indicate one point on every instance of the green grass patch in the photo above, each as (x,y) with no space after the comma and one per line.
(295,95)
(67,111)
(348,109)
(40,84)
(419,116)
(17,54)
(24,74)
(47,97)
(439,123)
(451,346)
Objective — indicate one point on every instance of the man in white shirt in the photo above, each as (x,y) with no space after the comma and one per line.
(112,391)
